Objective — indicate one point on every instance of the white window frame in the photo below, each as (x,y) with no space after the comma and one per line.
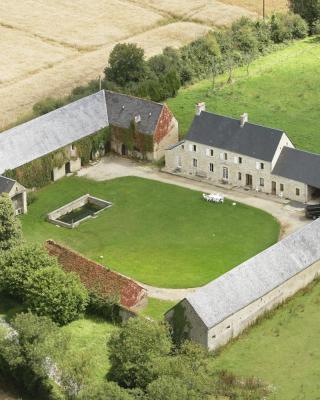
(225,173)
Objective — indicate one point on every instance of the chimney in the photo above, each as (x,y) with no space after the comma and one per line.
(200,107)
(244,119)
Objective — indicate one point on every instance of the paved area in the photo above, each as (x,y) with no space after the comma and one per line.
(289,215)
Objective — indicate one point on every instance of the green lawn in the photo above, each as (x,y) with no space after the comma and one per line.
(157,308)
(159,234)
(283,350)
(281,92)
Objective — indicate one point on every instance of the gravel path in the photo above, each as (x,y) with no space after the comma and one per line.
(291,218)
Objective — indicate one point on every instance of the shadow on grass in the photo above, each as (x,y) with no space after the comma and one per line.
(9,307)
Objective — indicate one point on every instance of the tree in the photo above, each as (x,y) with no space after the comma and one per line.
(26,353)
(57,294)
(134,349)
(106,391)
(169,388)
(10,227)
(126,64)
(18,266)
(308,9)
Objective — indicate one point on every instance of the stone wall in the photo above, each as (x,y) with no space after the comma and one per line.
(180,160)
(166,134)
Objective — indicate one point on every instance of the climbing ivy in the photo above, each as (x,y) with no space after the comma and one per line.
(180,325)
(38,172)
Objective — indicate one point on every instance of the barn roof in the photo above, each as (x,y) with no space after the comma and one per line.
(52,131)
(226,133)
(6,184)
(123,109)
(56,129)
(299,166)
(258,276)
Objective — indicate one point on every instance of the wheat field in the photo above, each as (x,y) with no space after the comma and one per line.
(48,47)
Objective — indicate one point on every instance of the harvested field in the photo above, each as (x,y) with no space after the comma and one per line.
(50,46)
(256,5)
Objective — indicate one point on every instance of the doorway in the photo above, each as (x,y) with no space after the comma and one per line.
(124,150)
(67,168)
(249,180)
(274,187)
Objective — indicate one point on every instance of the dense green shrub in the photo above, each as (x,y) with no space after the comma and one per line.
(308,9)
(19,265)
(47,105)
(26,360)
(134,350)
(55,293)
(126,64)
(10,227)
(286,27)
(106,391)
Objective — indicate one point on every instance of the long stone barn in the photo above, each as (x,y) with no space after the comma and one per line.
(136,127)
(221,310)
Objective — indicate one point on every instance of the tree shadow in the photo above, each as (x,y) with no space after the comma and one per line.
(9,307)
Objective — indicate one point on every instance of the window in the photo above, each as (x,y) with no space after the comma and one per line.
(194,148)
(225,156)
(262,165)
(261,182)
(239,176)
(240,160)
(211,167)
(73,147)
(182,147)
(281,187)
(297,192)
(225,173)
(211,153)
(195,162)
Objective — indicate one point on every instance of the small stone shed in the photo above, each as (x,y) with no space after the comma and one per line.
(221,310)
(16,192)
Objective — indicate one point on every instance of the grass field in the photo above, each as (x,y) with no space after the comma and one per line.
(283,350)
(159,234)
(282,91)
(41,58)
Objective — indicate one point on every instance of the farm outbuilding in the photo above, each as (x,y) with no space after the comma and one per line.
(16,192)
(221,310)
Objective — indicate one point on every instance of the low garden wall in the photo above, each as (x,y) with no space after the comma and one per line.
(54,216)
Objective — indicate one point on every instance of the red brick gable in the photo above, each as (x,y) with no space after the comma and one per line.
(96,277)
(164,124)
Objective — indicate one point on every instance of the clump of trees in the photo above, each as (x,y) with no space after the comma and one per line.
(309,11)
(145,365)
(160,77)
(34,278)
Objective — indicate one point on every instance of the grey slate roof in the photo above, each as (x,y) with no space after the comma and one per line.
(226,133)
(52,131)
(258,276)
(299,165)
(123,109)
(6,184)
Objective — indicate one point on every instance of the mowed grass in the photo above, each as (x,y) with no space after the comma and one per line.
(157,308)
(157,233)
(283,350)
(282,91)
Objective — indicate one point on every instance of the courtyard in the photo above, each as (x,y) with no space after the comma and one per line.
(159,234)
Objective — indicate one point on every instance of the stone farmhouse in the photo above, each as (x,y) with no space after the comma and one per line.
(138,128)
(236,153)
(221,310)
(16,192)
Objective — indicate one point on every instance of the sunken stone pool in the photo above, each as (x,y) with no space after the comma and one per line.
(72,214)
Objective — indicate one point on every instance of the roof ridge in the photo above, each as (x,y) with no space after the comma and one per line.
(134,97)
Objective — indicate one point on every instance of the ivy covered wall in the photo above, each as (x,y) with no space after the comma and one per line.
(38,172)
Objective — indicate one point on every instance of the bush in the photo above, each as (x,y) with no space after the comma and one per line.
(10,227)
(286,27)
(106,391)
(47,105)
(134,349)
(57,294)
(169,388)
(25,359)
(19,265)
